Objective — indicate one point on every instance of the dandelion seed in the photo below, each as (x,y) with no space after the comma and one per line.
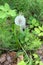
(20,21)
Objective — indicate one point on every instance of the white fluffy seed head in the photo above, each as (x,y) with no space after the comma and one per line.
(20,21)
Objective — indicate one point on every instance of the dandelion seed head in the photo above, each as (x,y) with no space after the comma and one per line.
(20,20)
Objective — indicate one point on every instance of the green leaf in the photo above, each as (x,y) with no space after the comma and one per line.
(37,30)
(35,55)
(31,26)
(12,12)
(22,63)
(41,28)
(2,8)
(31,61)
(41,63)
(6,6)
(40,34)
(3,14)
(33,21)
(37,62)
